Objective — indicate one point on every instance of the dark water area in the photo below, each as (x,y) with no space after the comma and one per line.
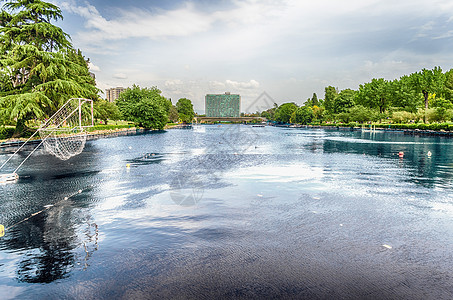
(233,212)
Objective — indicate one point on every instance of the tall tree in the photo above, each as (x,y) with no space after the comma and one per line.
(303,115)
(448,92)
(428,82)
(284,112)
(185,110)
(314,100)
(403,94)
(173,115)
(329,98)
(145,107)
(375,94)
(344,101)
(42,68)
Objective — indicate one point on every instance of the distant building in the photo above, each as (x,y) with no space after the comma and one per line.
(113,93)
(223,105)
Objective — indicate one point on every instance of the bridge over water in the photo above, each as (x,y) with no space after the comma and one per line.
(228,119)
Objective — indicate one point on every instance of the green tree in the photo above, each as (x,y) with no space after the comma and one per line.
(270,113)
(145,107)
(448,91)
(185,110)
(40,67)
(330,95)
(375,94)
(314,100)
(304,115)
(428,82)
(344,101)
(173,114)
(283,112)
(403,94)
(105,110)
(318,113)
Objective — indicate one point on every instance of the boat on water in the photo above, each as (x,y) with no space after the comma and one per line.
(257,125)
(4,178)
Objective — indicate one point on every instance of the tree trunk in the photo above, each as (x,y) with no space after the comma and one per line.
(20,128)
(425,94)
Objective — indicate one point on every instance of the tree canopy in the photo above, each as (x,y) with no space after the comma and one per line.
(185,110)
(284,112)
(39,68)
(425,95)
(146,107)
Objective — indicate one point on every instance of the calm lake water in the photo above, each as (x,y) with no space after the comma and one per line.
(233,212)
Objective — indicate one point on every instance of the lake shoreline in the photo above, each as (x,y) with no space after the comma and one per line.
(4,144)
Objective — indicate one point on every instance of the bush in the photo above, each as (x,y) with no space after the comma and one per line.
(423,126)
(403,116)
(6,132)
(107,127)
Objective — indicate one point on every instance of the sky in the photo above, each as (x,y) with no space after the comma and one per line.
(288,49)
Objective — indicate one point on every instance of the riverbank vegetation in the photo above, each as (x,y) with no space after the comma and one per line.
(420,100)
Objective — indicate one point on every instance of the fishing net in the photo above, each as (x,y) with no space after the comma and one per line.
(64,134)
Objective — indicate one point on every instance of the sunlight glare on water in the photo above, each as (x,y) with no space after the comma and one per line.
(233,211)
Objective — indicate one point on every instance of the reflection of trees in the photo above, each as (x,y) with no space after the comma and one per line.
(423,169)
(52,241)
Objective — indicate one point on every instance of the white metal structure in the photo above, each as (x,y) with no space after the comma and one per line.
(63,135)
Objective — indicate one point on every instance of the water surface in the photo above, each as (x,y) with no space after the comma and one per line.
(233,211)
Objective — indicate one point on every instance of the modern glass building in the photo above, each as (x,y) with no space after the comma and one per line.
(223,105)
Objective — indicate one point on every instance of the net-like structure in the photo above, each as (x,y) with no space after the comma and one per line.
(64,134)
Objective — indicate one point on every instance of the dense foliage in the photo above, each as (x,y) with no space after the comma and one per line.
(185,110)
(146,107)
(284,112)
(425,96)
(39,69)
(105,110)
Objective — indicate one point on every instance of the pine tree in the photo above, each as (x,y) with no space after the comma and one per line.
(43,69)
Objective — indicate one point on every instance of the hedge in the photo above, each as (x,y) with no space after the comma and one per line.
(413,126)
(108,127)
(6,132)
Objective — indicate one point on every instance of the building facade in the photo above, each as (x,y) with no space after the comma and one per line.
(113,93)
(223,105)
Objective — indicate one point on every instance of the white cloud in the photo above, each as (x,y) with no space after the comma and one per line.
(217,84)
(173,85)
(120,76)
(190,50)
(252,84)
(140,23)
(93,68)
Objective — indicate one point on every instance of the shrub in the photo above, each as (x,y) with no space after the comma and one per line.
(6,132)
(403,116)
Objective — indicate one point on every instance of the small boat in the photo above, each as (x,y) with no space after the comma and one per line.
(8,177)
(257,125)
